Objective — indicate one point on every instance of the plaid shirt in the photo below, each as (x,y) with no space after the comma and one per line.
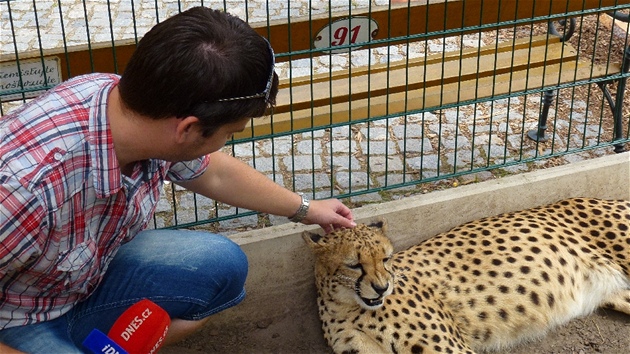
(66,207)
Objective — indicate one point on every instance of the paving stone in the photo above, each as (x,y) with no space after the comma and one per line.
(163,205)
(303,162)
(278,220)
(515,168)
(575,158)
(461,142)
(505,128)
(354,180)
(309,147)
(592,131)
(497,152)
(227,210)
(344,145)
(250,221)
(242,150)
(277,146)
(408,131)
(378,147)
(371,197)
(263,164)
(578,117)
(385,164)
(426,117)
(476,177)
(428,162)
(160,221)
(374,134)
(323,194)
(452,116)
(393,178)
(415,145)
(190,200)
(189,215)
(516,141)
(304,182)
(442,128)
(478,128)
(315,134)
(341,132)
(460,161)
(342,163)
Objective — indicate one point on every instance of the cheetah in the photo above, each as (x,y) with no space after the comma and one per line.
(486,285)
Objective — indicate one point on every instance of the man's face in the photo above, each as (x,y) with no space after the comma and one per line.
(201,146)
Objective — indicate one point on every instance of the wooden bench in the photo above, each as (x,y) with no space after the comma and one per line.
(431,82)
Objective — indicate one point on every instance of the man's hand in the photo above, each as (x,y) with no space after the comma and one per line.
(330,214)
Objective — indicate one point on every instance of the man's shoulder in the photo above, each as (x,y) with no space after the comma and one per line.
(92,79)
(51,132)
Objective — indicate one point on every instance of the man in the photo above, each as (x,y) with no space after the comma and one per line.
(81,169)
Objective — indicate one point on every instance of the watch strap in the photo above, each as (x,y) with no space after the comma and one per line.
(300,214)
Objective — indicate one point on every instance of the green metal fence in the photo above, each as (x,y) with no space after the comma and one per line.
(406,134)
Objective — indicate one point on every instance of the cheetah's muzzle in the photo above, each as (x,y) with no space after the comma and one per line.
(372,303)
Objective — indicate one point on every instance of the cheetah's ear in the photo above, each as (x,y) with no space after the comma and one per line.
(379,223)
(313,240)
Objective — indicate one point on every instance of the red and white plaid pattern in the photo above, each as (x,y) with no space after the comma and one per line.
(65,207)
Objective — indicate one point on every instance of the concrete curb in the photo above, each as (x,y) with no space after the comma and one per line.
(281,281)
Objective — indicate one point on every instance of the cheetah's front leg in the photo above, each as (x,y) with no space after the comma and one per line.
(619,302)
(356,343)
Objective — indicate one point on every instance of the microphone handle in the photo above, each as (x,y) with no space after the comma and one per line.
(99,343)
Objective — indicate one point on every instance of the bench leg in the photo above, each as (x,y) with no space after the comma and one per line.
(616,104)
(539,134)
(618,109)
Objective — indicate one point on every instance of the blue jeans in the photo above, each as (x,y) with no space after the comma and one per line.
(190,274)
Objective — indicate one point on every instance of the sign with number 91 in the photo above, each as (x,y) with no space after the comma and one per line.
(338,36)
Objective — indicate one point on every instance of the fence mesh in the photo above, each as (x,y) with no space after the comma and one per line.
(375,108)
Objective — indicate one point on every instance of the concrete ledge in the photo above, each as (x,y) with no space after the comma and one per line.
(281,283)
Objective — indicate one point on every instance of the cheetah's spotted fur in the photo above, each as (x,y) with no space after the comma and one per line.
(485,285)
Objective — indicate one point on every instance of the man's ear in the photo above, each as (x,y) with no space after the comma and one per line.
(186,129)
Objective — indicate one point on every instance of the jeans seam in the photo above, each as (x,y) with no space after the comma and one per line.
(226,305)
(126,302)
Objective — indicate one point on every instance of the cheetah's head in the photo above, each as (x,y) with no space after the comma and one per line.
(353,265)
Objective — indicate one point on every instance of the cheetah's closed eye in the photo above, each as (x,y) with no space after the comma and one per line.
(485,285)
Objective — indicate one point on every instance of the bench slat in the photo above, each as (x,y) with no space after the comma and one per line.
(505,46)
(451,69)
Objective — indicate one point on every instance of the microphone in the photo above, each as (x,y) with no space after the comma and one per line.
(98,343)
(141,329)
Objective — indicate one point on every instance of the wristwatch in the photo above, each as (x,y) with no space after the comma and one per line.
(300,214)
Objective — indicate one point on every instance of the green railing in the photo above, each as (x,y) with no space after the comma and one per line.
(369,159)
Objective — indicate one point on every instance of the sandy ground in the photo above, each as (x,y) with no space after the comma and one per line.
(603,332)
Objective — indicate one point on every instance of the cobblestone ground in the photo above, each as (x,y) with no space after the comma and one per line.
(457,143)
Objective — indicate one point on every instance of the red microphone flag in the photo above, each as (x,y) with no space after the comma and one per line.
(141,329)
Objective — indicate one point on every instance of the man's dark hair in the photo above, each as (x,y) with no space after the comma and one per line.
(185,64)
